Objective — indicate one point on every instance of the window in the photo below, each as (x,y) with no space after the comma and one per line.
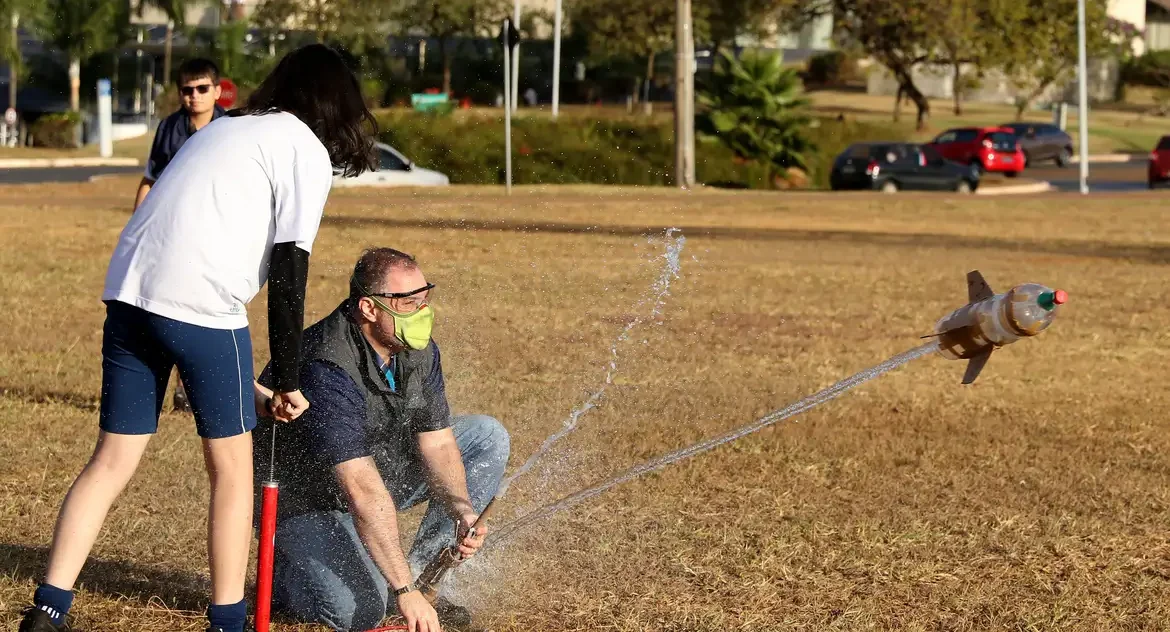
(930,156)
(1002,141)
(390,162)
(1164,144)
(947,137)
(967,135)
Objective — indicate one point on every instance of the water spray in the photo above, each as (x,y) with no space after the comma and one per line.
(660,289)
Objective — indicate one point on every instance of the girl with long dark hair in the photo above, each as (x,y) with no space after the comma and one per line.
(240,205)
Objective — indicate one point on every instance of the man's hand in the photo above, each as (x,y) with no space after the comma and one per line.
(470,545)
(420,615)
(288,406)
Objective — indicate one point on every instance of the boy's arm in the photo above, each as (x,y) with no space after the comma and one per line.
(155,163)
(143,189)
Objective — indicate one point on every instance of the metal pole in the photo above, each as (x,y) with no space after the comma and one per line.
(556,87)
(138,74)
(684,96)
(508,79)
(12,79)
(1083,89)
(516,60)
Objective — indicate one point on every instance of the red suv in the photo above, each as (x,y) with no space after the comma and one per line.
(1159,172)
(985,148)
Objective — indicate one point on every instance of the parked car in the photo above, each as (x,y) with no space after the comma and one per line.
(1041,142)
(1159,169)
(985,148)
(892,167)
(394,169)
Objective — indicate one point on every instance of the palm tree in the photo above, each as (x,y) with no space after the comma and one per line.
(756,107)
(79,28)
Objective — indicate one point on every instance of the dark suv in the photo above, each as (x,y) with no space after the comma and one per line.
(1042,141)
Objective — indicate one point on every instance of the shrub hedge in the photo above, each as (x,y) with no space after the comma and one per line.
(626,151)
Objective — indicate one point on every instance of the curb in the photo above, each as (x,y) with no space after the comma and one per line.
(1114,158)
(33,163)
(1016,189)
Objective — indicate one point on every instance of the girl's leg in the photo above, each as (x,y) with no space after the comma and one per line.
(229,527)
(216,369)
(84,511)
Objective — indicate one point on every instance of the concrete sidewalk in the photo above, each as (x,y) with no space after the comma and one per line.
(1019,188)
(43,163)
(1111,158)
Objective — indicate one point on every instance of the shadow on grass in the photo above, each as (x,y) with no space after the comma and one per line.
(40,396)
(176,589)
(1157,254)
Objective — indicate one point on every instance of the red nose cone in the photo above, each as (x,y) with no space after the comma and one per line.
(1060,298)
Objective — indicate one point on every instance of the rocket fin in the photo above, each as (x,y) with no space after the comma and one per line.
(975,365)
(977,287)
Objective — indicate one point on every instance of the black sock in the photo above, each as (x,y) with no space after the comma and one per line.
(229,617)
(54,601)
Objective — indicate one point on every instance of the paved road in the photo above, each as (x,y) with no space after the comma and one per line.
(60,174)
(1103,177)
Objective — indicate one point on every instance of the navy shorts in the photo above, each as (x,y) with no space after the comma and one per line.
(139,349)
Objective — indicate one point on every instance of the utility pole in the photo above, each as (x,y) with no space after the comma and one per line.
(684,97)
(556,87)
(166,78)
(12,65)
(138,74)
(1083,89)
(516,58)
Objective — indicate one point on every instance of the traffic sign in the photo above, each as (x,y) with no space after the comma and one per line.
(227,95)
(10,116)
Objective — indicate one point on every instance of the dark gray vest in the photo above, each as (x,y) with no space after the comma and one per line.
(390,415)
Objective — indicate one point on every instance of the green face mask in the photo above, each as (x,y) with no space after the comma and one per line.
(414,329)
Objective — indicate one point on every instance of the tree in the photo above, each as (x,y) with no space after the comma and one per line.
(899,35)
(730,19)
(632,29)
(1043,34)
(79,28)
(757,108)
(962,39)
(445,20)
(176,12)
(26,11)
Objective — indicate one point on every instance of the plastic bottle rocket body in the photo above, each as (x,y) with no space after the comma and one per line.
(990,321)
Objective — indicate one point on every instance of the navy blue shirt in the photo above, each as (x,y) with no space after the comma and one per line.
(172,132)
(334,430)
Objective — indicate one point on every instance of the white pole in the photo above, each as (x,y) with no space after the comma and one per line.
(516,60)
(507,109)
(105,123)
(1083,88)
(556,87)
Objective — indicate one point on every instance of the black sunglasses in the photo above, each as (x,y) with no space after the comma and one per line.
(428,286)
(203,88)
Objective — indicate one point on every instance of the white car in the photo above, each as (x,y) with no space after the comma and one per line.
(394,170)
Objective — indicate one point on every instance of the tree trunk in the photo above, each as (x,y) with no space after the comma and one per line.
(898,103)
(647,107)
(1022,106)
(74,83)
(446,56)
(166,78)
(920,101)
(957,88)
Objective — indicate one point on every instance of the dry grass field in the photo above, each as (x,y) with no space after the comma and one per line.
(1036,499)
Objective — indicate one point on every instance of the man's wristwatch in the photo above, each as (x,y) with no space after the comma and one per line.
(405,589)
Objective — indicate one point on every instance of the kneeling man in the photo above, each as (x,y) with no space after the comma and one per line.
(378,437)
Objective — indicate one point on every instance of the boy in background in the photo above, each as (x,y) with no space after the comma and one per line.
(198,85)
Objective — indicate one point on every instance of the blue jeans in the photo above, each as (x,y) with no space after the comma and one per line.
(323,573)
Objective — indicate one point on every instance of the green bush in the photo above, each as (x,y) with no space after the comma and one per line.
(616,151)
(58,131)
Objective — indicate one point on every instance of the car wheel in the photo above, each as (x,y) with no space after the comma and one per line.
(1064,157)
(976,167)
(963,187)
(1027,160)
(889,186)
(1011,174)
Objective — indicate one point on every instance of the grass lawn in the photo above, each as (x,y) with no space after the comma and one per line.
(1036,498)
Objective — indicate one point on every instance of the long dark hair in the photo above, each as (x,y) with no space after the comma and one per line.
(313,83)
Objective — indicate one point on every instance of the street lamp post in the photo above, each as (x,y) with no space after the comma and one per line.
(1083,89)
